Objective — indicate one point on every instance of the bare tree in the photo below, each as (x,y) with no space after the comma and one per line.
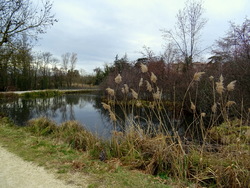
(236,45)
(186,34)
(170,54)
(65,61)
(19,16)
(147,52)
(73,60)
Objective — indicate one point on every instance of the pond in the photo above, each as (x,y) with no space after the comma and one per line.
(84,108)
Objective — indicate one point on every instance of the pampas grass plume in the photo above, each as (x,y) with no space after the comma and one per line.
(144,68)
(126,88)
(197,76)
(141,82)
(149,87)
(214,108)
(219,86)
(153,78)
(134,94)
(112,116)
(157,95)
(211,78)
(193,107)
(230,103)
(110,91)
(203,114)
(106,106)
(231,85)
(118,79)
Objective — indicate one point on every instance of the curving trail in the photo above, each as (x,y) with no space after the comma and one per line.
(17,173)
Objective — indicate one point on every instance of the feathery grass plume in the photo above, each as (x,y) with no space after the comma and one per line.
(211,78)
(197,76)
(126,88)
(157,95)
(151,105)
(134,94)
(153,78)
(203,114)
(123,90)
(219,86)
(230,103)
(149,87)
(106,106)
(231,85)
(214,108)
(193,107)
(110,91)
(112,116)
(118,79)
(138,103)
(141,82)
(144,68)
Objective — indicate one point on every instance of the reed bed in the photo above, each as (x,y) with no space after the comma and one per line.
(213,150)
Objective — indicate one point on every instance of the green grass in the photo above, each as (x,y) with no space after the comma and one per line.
(131,158)
(71,164)
(43,93)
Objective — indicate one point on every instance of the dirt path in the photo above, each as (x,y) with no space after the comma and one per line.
(17,173)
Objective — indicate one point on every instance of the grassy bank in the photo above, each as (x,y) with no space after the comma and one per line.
(69,149)
(46,146)
(42,93)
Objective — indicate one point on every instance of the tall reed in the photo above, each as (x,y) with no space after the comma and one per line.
(163,146)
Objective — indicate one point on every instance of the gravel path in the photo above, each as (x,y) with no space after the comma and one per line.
(17,173)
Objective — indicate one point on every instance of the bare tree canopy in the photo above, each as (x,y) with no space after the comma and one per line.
(236,44)
(19,16)
(187,31)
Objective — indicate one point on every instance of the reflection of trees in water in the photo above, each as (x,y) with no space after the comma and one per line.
(21,110)
(60,108)
(127,115)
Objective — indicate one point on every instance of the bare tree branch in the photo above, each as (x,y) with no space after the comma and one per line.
(18,16)
(186,34)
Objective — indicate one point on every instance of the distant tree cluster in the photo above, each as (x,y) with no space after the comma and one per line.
(21,23)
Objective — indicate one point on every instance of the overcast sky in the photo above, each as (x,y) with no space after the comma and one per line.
(97,30)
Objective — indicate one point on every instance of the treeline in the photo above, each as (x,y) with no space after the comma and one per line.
(21,69)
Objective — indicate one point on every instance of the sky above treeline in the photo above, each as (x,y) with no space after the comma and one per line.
(98,30)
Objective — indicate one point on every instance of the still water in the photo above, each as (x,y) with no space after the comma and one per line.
(84,108)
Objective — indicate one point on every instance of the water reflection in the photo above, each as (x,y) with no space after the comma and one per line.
(85,108)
